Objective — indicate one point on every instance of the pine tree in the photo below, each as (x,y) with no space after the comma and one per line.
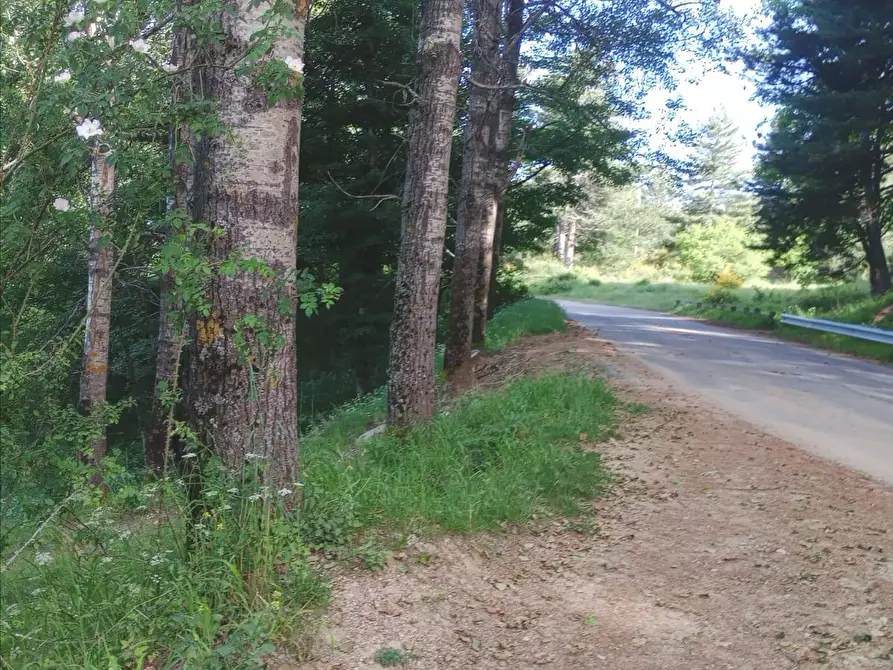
(715,186)
(825,177)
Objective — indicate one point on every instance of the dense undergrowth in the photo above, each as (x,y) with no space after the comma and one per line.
(142,578)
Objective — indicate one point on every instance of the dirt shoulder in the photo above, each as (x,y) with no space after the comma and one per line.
(719,547)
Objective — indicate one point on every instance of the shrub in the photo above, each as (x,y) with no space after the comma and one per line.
(719,296)
(706,249)
(728,278)
(554,285)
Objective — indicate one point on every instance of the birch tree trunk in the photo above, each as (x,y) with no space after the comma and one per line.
(477,195)
(100,270)
(505,111)
(561,240)
(570,242)
(413,329)
(242,391)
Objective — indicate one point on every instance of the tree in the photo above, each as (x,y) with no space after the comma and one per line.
(476,220)
(715,184)
(242,393)
(825,175)
(414,327)
(100,274)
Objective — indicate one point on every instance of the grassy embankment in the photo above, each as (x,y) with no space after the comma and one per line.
(137,580)
(757,305)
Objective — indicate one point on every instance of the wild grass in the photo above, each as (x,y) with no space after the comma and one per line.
(144,578)
(493,457)
(533,316)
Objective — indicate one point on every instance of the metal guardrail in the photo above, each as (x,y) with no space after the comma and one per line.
(851,329)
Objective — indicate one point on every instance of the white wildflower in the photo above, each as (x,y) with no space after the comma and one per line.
(169,67)
(232,490)
(294,64)
(110,40)
(63,77)
(61,205)
(253,457)
(43,558)
(211,494)
(226,507)
(157,559)
(254,497)
(124,534)
(75,16)
(140,45)
(191,454)
(75,35)
(88,128)
(106,559)
(285,492)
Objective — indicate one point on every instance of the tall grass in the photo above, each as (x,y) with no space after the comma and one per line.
(493,457)
(532,316)
(147,579)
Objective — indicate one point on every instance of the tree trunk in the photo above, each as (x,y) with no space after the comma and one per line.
(414,325)
(100,268)
(243,395)
(170,327)
(477,196)
(561,240)
(875,256)
(502,171)
(871,217)
(570,243)
(494,267)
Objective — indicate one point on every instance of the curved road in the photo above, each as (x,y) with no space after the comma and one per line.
(834,406)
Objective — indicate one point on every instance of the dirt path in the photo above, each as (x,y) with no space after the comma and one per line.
(721,547)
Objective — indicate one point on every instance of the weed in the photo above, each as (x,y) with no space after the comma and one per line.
(636,408)
(595,281)
(496,457)
(528,317)
(373,558)
(388,656)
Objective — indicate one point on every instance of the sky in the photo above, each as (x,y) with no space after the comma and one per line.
(709,92)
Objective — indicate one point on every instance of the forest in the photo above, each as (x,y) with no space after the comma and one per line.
(224,223)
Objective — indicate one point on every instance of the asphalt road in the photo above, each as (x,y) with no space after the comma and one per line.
(834,406)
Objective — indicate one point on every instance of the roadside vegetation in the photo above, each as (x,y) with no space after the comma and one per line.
(756,304)
(145,575)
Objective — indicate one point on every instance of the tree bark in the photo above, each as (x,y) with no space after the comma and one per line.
(560,240)
(242,391)
(100,268)
(411,392)
(477,191)
(871,217)
(570,243)
(497,259)
(170,326)
(875,256)
(508,79)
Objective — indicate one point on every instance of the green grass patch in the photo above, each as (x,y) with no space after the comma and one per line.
(137,580)
(494,457)
(533,316)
